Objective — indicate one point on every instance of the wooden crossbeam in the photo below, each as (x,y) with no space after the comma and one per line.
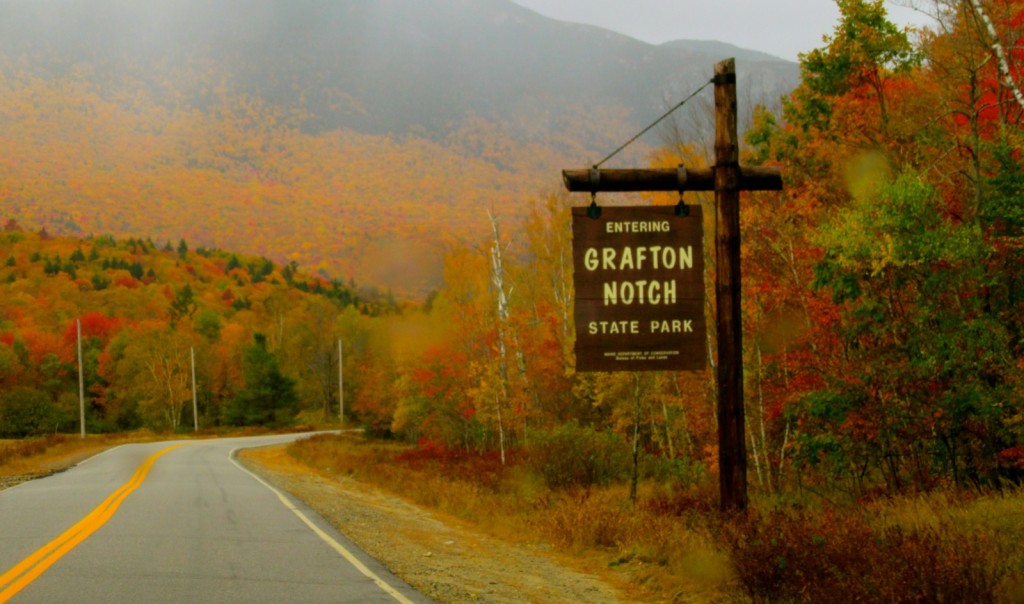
(671,179)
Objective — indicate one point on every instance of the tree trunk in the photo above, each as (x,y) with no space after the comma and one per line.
(999,52)
(498,280)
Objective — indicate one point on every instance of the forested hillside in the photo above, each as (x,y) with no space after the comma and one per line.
(357,139)
(247,178)
(264,336)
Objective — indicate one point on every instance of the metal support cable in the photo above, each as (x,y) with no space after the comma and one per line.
(655,123)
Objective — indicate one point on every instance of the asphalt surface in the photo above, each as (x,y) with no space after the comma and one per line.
(192,526)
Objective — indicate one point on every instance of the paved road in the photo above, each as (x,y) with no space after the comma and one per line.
(152,523)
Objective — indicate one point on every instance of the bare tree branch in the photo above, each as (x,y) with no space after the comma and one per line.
(997,48)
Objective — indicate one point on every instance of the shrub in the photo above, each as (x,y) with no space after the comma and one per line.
(30,447)
(458,464)
(26,412)
(577,456)
(672,470)
(683,499)
(797,556)
(583,519)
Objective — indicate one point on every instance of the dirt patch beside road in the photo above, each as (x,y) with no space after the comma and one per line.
(444,558)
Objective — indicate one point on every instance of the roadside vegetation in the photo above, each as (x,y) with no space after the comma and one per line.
(28,458)
(673,545)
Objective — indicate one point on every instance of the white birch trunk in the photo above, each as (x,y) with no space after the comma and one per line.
(498,280)
(997,49)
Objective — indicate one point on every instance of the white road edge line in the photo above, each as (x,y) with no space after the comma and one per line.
(95,455)
(394,593)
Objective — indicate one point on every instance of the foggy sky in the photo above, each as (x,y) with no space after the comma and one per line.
(782,28)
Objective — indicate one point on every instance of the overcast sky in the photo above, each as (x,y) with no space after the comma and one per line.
(782,28)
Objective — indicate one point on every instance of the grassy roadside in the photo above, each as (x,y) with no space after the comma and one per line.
(673,545)
(25,459)
(649,551)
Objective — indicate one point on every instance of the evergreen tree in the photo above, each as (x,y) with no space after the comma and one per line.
(27,412)
(269,397)
(136,270)
(183,305)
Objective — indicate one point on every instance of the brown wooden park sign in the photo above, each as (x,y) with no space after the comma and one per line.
(598,301)
(639,277)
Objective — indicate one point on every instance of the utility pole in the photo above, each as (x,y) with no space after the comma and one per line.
(726,178)
(732,447)
(195,407)
(81,380)
(341,385)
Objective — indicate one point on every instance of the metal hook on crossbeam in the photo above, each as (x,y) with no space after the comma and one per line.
(594,211)
(681,175)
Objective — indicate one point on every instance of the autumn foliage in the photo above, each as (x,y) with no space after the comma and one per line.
(143,311)
(883,303)
(882,306)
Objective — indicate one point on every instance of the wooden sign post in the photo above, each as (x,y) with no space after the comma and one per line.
(727,178)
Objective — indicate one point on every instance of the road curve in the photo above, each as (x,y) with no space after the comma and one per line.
(177,522)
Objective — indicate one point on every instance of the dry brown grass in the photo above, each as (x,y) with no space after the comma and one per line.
(24,459)
(674,546)
(655,551)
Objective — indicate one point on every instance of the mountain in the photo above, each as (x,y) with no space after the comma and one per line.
(724,50)
(381,66)
(347,136)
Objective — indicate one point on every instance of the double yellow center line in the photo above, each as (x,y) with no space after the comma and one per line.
(29,569)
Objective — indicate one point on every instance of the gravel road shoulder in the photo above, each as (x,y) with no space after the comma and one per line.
(442,557)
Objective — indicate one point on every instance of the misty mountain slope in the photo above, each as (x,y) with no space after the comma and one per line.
(381,66)
(723,50)
(353,137)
